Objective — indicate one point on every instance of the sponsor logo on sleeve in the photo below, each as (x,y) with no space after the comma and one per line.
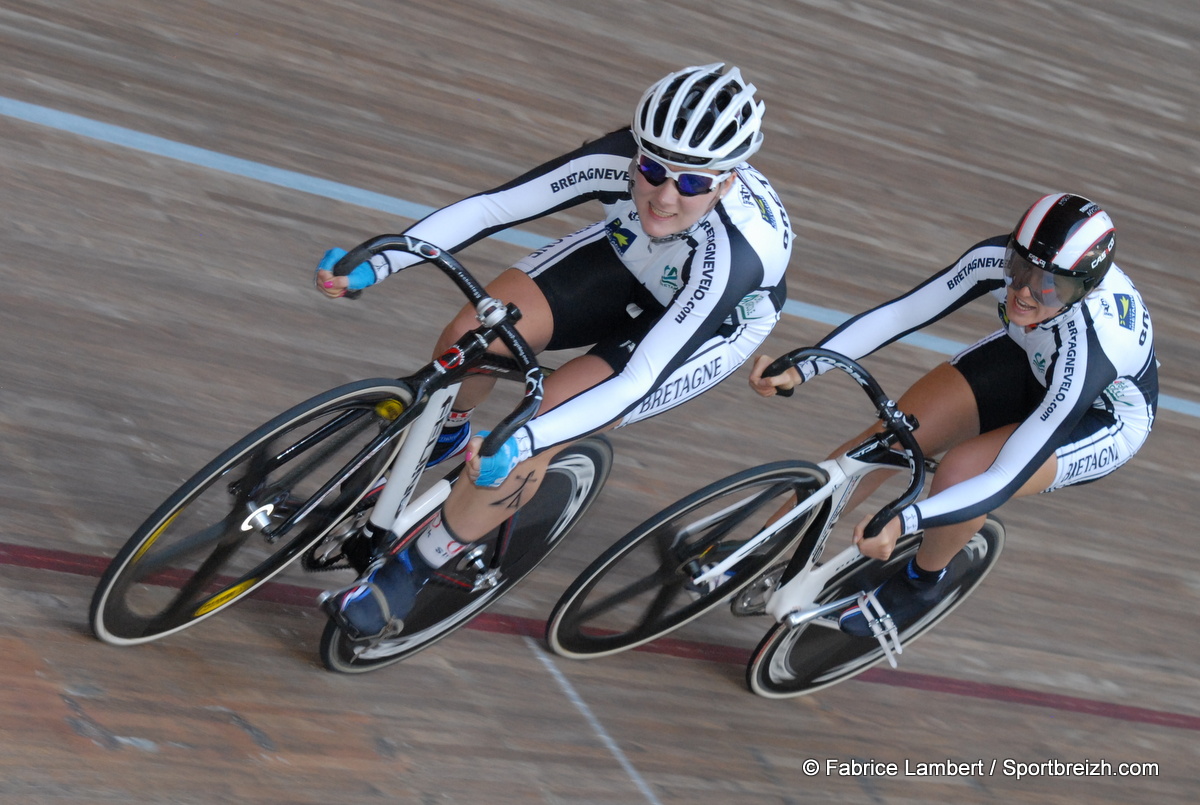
(1091,464)
(708,267)
(764,210)
(684,385)
(1068,356)
(618,176)
(967,270)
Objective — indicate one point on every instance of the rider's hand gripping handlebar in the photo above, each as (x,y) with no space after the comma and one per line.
(491,313)
(778,367)
(896,423)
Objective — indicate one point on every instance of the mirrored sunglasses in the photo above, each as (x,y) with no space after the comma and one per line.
(687,183)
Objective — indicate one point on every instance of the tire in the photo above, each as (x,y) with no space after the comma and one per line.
(796,661)
(199,553)
(573,481)
(642,587)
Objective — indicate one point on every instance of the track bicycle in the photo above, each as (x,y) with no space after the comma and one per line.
(333,481)
(725,543)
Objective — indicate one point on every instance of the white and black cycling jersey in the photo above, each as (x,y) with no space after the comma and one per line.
(1095,360)
(721,280)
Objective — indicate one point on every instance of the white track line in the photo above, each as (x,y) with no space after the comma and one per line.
(597,727)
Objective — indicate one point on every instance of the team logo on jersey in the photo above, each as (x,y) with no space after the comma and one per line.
(1117,390)
(620,237)
(1039,362)
(753,200)
(670,278)
(1126,310)
(749,305)
(765,212)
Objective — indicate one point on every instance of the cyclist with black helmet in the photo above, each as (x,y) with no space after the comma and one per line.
(1063,394)
(672,290)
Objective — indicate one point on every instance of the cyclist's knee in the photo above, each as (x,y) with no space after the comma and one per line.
(959,464)
(463,322)
(969,458)
(945,406)
(572,378)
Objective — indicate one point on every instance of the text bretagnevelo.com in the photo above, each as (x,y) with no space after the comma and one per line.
(1007,767)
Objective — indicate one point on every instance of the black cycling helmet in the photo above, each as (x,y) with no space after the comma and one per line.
(700,116)
(1069,236)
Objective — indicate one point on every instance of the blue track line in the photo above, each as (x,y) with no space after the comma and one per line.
(202,157)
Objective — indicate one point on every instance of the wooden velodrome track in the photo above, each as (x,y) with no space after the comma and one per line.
(157,305)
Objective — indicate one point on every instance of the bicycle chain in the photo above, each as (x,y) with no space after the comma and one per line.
(309,561)
(341,560)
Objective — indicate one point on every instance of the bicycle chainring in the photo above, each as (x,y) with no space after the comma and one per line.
(752,600)
(351,549)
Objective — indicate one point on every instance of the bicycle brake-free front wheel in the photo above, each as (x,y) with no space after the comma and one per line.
(214,540)
(793,661)
(573,480)
(646,585)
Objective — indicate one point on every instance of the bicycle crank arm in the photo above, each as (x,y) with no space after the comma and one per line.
(805,616)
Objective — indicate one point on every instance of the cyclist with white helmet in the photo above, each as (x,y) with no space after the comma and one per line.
(1063,394)
(672,290)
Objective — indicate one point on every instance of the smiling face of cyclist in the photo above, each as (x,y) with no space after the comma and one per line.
(1025,308)
(661,192)
(1035,294)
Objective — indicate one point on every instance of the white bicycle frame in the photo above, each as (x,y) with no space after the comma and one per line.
(393,511)
(796,601)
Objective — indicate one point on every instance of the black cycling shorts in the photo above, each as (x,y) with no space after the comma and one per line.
(594,299)
(1006,389)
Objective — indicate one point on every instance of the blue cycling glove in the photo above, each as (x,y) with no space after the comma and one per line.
(362,275)
(495,469)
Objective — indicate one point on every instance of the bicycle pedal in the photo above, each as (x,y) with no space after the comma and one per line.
(469,572)
(473,560)
(883,628)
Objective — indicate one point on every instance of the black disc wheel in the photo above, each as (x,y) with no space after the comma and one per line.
(218,537)
(793,661)
(573,480)
(652,581)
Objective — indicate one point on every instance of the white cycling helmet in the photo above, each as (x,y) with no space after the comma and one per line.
(700,116)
